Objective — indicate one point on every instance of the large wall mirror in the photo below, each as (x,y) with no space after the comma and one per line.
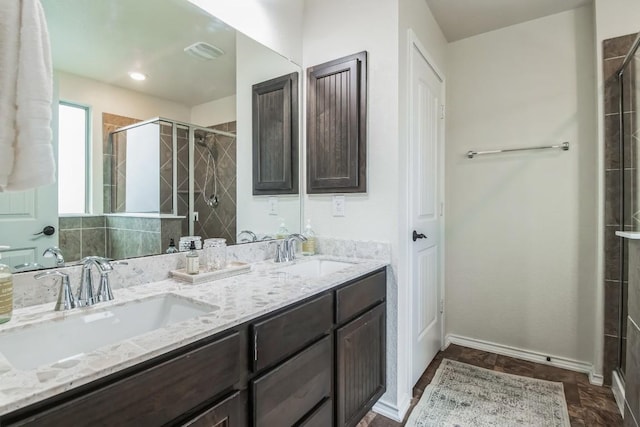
(153,129)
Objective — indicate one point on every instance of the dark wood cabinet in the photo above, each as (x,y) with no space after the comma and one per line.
(275,136)
(283,334)
(336,126)
(316,363)
(157,394)
(360,365)
(230,412)
(283,396)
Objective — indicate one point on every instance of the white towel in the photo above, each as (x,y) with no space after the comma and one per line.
(33,161)
(9,41)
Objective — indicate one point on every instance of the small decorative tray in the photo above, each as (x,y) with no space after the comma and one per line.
(233,269)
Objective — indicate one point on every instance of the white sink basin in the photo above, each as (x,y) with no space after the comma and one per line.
(315,268)
(71,337)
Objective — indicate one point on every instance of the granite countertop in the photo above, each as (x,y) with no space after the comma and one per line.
(234,300)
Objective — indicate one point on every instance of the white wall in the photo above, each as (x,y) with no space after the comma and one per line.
(276,24)
(104,98)
(612,18)
(213,113)
(521,246)
(256,64)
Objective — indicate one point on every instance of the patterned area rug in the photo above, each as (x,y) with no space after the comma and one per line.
(462,395)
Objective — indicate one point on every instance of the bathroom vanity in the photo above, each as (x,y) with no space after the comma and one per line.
(292,351)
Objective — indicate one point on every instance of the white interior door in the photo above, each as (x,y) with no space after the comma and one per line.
(425,133)
(25,213)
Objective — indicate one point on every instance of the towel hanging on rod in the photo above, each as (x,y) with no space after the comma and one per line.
(471,154)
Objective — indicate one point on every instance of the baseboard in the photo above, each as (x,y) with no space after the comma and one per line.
(618,391)
(396,413)
(532,356)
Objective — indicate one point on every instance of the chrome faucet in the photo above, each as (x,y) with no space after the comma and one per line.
(104,290)
(54,251)
(65,295)
(286,249)
(290,243)
(85,291)
(250,233)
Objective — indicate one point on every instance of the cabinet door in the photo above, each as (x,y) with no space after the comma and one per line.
(360,351)
(231,412)
(285,395)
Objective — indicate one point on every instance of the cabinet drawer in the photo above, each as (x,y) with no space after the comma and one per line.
(321,417)
(231,412)
(156,395)
(355,298)
(286,394)
(282,335)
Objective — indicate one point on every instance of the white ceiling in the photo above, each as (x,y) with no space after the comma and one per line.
(460,19)
(105,39)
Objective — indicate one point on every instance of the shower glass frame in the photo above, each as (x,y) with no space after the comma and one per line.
(191,129)
(628,82)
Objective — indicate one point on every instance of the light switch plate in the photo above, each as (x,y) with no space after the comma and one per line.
(338,205)
(273,205)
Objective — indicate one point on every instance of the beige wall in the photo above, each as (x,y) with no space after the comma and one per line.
(212,113)
(520,241)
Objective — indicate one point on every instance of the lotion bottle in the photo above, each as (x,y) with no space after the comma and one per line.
(193,261)
(6,291)
(309,245)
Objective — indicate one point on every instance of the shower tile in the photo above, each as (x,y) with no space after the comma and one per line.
(93,242)
(633,296)
(610,361)
(611,307)
(612,197)
(628,421)
(93,221)
(612,245)
(632,371)
(70,222)
(70,244)
(150,244)
(617,46)
(170,229)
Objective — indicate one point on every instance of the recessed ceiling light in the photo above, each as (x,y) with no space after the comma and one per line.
(135,75)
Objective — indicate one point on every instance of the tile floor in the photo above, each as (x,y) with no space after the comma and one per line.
(588,405)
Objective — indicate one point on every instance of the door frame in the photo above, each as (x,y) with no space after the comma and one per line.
(414,41)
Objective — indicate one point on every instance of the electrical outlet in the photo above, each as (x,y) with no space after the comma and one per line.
(196,216)
(338,205)
(273,205)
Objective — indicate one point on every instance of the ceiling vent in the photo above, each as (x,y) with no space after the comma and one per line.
(204,51)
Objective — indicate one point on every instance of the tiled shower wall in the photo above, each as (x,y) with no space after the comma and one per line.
(615,283)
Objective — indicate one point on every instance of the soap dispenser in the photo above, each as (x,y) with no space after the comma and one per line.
(6,291)
(283,232)
(309,245)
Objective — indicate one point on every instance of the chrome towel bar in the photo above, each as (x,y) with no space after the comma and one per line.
(471,154)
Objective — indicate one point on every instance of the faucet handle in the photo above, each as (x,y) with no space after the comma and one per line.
(104,290)
(281,247)
(66,301)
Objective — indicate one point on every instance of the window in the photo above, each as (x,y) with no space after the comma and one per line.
(73,143)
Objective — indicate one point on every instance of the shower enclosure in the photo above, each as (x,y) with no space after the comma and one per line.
(622,197)
(179,172)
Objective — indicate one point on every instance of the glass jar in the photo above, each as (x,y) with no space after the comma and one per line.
(215,253)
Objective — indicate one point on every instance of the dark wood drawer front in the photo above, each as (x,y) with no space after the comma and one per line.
(359,296)
(286,394)
(360,350)
(282,335)
(231,412)
(157,395)
(321,417)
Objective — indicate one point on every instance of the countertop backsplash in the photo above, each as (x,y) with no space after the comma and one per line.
(29,292)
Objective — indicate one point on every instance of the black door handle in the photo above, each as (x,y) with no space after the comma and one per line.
(417,235)
(49,230)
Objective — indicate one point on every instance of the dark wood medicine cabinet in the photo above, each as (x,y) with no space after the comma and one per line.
(336,126)
(275,136)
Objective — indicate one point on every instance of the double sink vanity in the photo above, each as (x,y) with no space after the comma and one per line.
(296,344)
